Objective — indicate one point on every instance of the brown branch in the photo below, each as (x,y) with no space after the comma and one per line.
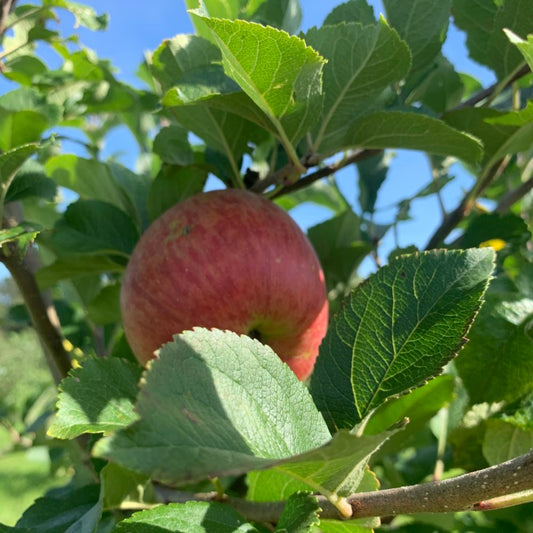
(489,91)
(5,8)
(328,170)
(514,196)
(451,495)
(43,315)
(40,306)
(451,221)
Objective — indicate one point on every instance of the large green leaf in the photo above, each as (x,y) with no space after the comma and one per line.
(230,405)
(337,468)
(200,517)
(20,128)
(362,62)
(280,73)
(75,266)
(96,398)
(484,21)
(504,441)
(92,180)
(496,365)
(399,129)
(65,511)
(92,226)
(423,25)
(172,185)
(31,180)
(397,330)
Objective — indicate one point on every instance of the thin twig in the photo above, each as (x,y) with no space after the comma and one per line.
(514,196)
(451,221)
(492,89)
(328,170)
(5,8)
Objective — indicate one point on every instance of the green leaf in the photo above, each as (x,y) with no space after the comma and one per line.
(24,68)
(283,14)
(20,233)
(337,468)
(525,47)
(508,227)
(299,514)
(372,173)
(76,266)
(476,122)
(397,330)
(20,128)
(496,364)
(419,405)
(31,180)
(340,245)
(273,485)
(65,511)
(484,22)
(121,485)
(504,441)
(10,162)
(105,307)
(91,179)
(323,192)
(172,146)
(278,72)
(85,16)
(362,62)
(422,24)
(348,526)
(172,185)
(352,11)
(200,517)
(221,407)
(92,226)
(398,129)
(185,58)
(514,118)
(441,87)
(96,398)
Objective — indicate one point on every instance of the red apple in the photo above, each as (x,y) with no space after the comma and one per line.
(230,260)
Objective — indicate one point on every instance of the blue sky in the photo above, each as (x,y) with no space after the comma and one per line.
(137,27)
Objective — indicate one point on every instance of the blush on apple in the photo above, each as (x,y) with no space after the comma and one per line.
(231,260)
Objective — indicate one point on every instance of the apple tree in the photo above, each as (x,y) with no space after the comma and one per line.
(418,413)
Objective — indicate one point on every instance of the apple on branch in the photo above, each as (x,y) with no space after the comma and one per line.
(231,260)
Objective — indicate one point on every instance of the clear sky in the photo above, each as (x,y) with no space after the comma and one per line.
(136,27)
